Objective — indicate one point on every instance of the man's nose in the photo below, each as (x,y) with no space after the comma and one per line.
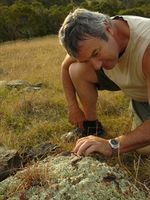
(96,64)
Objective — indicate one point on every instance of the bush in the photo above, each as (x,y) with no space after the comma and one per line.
(26,19)
(139,11)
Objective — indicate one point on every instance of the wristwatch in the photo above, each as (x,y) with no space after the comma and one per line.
(114,145)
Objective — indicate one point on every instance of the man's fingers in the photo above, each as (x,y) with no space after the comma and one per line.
(81,140)
(90,150)
(87,145)
(87,138)
(78,144)
(81,147)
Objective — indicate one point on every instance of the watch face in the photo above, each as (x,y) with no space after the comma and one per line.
(114,142)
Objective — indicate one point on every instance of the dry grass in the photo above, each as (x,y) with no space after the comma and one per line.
(29,118)
(32,113)
(32,176)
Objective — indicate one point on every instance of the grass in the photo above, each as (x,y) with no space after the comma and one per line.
(31,118)
(32,176)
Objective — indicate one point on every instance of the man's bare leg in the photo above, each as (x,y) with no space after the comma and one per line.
(84,78)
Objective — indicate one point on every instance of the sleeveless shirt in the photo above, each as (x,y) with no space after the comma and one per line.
(127,73)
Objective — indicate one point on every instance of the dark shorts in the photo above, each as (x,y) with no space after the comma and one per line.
(104,83)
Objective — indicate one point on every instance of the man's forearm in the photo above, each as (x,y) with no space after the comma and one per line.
(136,139)
(67,83)
(68,88)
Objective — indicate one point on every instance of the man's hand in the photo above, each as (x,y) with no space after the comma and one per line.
(90,144)
(76,116)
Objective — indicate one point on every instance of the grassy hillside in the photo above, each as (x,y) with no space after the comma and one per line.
(28,118)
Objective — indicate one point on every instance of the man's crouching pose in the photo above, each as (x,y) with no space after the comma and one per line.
(112,54)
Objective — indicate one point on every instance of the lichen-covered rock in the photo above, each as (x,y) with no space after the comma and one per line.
(17,84)
(71,178)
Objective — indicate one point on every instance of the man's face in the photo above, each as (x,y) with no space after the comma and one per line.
(99,53)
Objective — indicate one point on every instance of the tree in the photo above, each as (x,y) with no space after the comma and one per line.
(57,16)
(133,11)
(134,3)
(7,2)
(5,32)
(19,16)
(28,18)
(110,7)
(39,22)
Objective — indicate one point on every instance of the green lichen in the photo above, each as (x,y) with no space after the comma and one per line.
(86,179)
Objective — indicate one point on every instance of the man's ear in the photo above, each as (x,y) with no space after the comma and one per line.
(108,28)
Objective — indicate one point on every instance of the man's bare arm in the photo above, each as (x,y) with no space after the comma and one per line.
(76,115)
(66,81)
(146,69)
(138,138)
(134,140)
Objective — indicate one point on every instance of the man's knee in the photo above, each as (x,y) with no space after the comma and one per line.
(75,70)
(82,72)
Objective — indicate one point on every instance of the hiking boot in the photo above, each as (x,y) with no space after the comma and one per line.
(93,128)
(89,128)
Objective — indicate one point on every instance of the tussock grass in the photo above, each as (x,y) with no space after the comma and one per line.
(30,118)
(113,112)
(32,176)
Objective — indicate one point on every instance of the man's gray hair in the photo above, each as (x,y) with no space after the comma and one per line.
(79,25)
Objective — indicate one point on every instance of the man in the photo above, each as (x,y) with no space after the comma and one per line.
(107,53)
